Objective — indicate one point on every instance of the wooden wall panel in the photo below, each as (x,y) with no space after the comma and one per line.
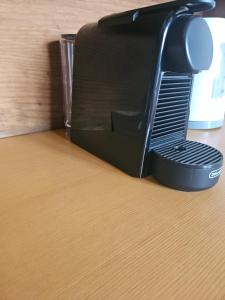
(219,11)
(30,82)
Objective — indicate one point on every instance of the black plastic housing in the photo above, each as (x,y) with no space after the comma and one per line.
(132,85)
(189,46)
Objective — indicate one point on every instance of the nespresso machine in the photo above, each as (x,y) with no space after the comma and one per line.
(132,85)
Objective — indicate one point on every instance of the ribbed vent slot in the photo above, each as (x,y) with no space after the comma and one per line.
(190,153)
(172,108)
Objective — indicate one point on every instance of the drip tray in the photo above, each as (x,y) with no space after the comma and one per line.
(187,165)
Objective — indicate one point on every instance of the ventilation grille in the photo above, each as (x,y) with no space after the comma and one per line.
(172,109)
(190,153)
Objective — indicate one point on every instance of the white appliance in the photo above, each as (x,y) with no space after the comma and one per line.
(208,94)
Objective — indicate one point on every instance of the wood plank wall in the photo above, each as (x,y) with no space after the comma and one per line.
(219,11)
(30,79)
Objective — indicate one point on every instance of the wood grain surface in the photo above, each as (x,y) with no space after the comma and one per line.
(30,81)
(74,227)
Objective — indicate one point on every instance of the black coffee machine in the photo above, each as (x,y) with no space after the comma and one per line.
(132,84)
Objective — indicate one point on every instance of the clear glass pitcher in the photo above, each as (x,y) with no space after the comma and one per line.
(67,43)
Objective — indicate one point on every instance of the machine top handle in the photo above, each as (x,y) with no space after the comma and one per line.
(133,15)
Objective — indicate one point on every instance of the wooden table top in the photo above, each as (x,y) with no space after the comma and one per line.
(74,227)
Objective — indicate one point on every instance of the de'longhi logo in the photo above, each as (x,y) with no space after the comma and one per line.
(215,173)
